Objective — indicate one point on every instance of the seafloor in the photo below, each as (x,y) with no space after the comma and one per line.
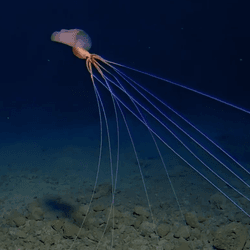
(47,183)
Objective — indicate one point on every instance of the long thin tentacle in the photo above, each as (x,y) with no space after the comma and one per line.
(178,125)
(182,86)
(98,167)
(161,112)
(125,76)
(111,165)
(152,136)
(165,143)
(191,150)
(129,80)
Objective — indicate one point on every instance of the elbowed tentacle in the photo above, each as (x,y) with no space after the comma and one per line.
(117,71)
(109,145)
(114,183)
(133,145)
(192,151)
(182,86)
(190,135)
(98,166)
(101,107)
(125,77)
(165,143)
(153,138)
(131,139)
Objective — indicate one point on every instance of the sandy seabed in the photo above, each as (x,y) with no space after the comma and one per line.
(46,191)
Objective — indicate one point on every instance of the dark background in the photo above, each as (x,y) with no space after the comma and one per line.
(200,44)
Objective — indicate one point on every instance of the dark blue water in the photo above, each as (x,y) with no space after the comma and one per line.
(49,113)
